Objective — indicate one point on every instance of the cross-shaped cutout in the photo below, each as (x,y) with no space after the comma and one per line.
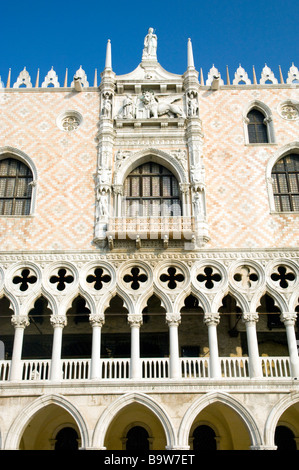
(61,279)
(25,279)
(283,277)
(172,278)
(98,278)
(135,278)
(209,278)
(245,277)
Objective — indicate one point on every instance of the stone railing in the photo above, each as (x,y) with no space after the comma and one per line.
(151,368)
(151,227)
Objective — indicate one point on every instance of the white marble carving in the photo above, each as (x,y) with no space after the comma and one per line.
(212,74)
(51,79)
(192,104)
(23,79)
(150,46)
(156,108)
(241,77)
(107,105)
(267,76)
(81,75)
(293,75)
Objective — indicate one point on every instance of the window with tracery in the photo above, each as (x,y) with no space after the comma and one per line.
(257,128)
(285,174)
(15,187)
(151,190)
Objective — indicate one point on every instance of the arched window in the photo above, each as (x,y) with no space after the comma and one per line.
(66,439)
(257,127)
(284,438)
(204,438)
(15,187)
(137,439)
(151,190)
(285,174)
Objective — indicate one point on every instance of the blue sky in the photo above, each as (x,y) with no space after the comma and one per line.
(67,34)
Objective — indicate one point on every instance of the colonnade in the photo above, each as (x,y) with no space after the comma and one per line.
(211,320)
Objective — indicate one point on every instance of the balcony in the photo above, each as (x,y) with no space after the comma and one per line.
(151,228)
(232,368)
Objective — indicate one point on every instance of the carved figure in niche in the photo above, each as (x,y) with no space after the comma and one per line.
(128,108)
(150,45)
(192,104)
(107,106)
(102,204)
(197,205)
(151,103)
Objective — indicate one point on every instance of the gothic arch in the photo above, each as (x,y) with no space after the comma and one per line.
(275,414)
(208,399)
(24,158)
(292,147)
(150,155)
(266,111)
(112,410)
(18,426)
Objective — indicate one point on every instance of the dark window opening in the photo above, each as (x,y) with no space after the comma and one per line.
(257,129)
(66,439)
(137,439)
(152,191)
(285,174)
(204,439)
(284,438)
(15,187)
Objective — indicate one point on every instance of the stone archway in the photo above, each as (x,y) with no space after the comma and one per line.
(35,427)
(130,410)
(234,427)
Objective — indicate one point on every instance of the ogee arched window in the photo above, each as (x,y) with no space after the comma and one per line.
(15,187)
(257,127)
(151,190)
(285,174)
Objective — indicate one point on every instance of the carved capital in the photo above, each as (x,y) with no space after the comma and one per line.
(173,319)
(58,320)
(97,319)
(250,317)
(211,319)
(135,319)
(288,318)
(20,321)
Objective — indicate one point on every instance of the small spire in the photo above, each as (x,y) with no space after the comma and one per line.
(254,76)
(95,83)
(37,79)
(201,77)
(190,55)
(280,74)
(108,63)
(65,79)
(8,79)
(227,76)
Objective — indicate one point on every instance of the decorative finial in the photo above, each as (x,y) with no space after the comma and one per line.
(65,78)
(190,55)
(108,63)
(280,75)
(227,76)
(254,76)
(37,79)
(95,83)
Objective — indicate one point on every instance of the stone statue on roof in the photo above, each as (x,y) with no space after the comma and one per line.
(150,45)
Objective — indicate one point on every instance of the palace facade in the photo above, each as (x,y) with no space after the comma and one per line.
(149,259)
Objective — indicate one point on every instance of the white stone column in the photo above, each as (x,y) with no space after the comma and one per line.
(19,322)
(97,321)
(173,320)
(255,367)
(135,322)
(289,320)
(58,322)
(212,320)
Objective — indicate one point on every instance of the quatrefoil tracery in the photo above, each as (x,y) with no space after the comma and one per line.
(25,279)
(246,277)
(283,277)
(172,277)
(209,277)
(61,279)
(135,278)
(98,278)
